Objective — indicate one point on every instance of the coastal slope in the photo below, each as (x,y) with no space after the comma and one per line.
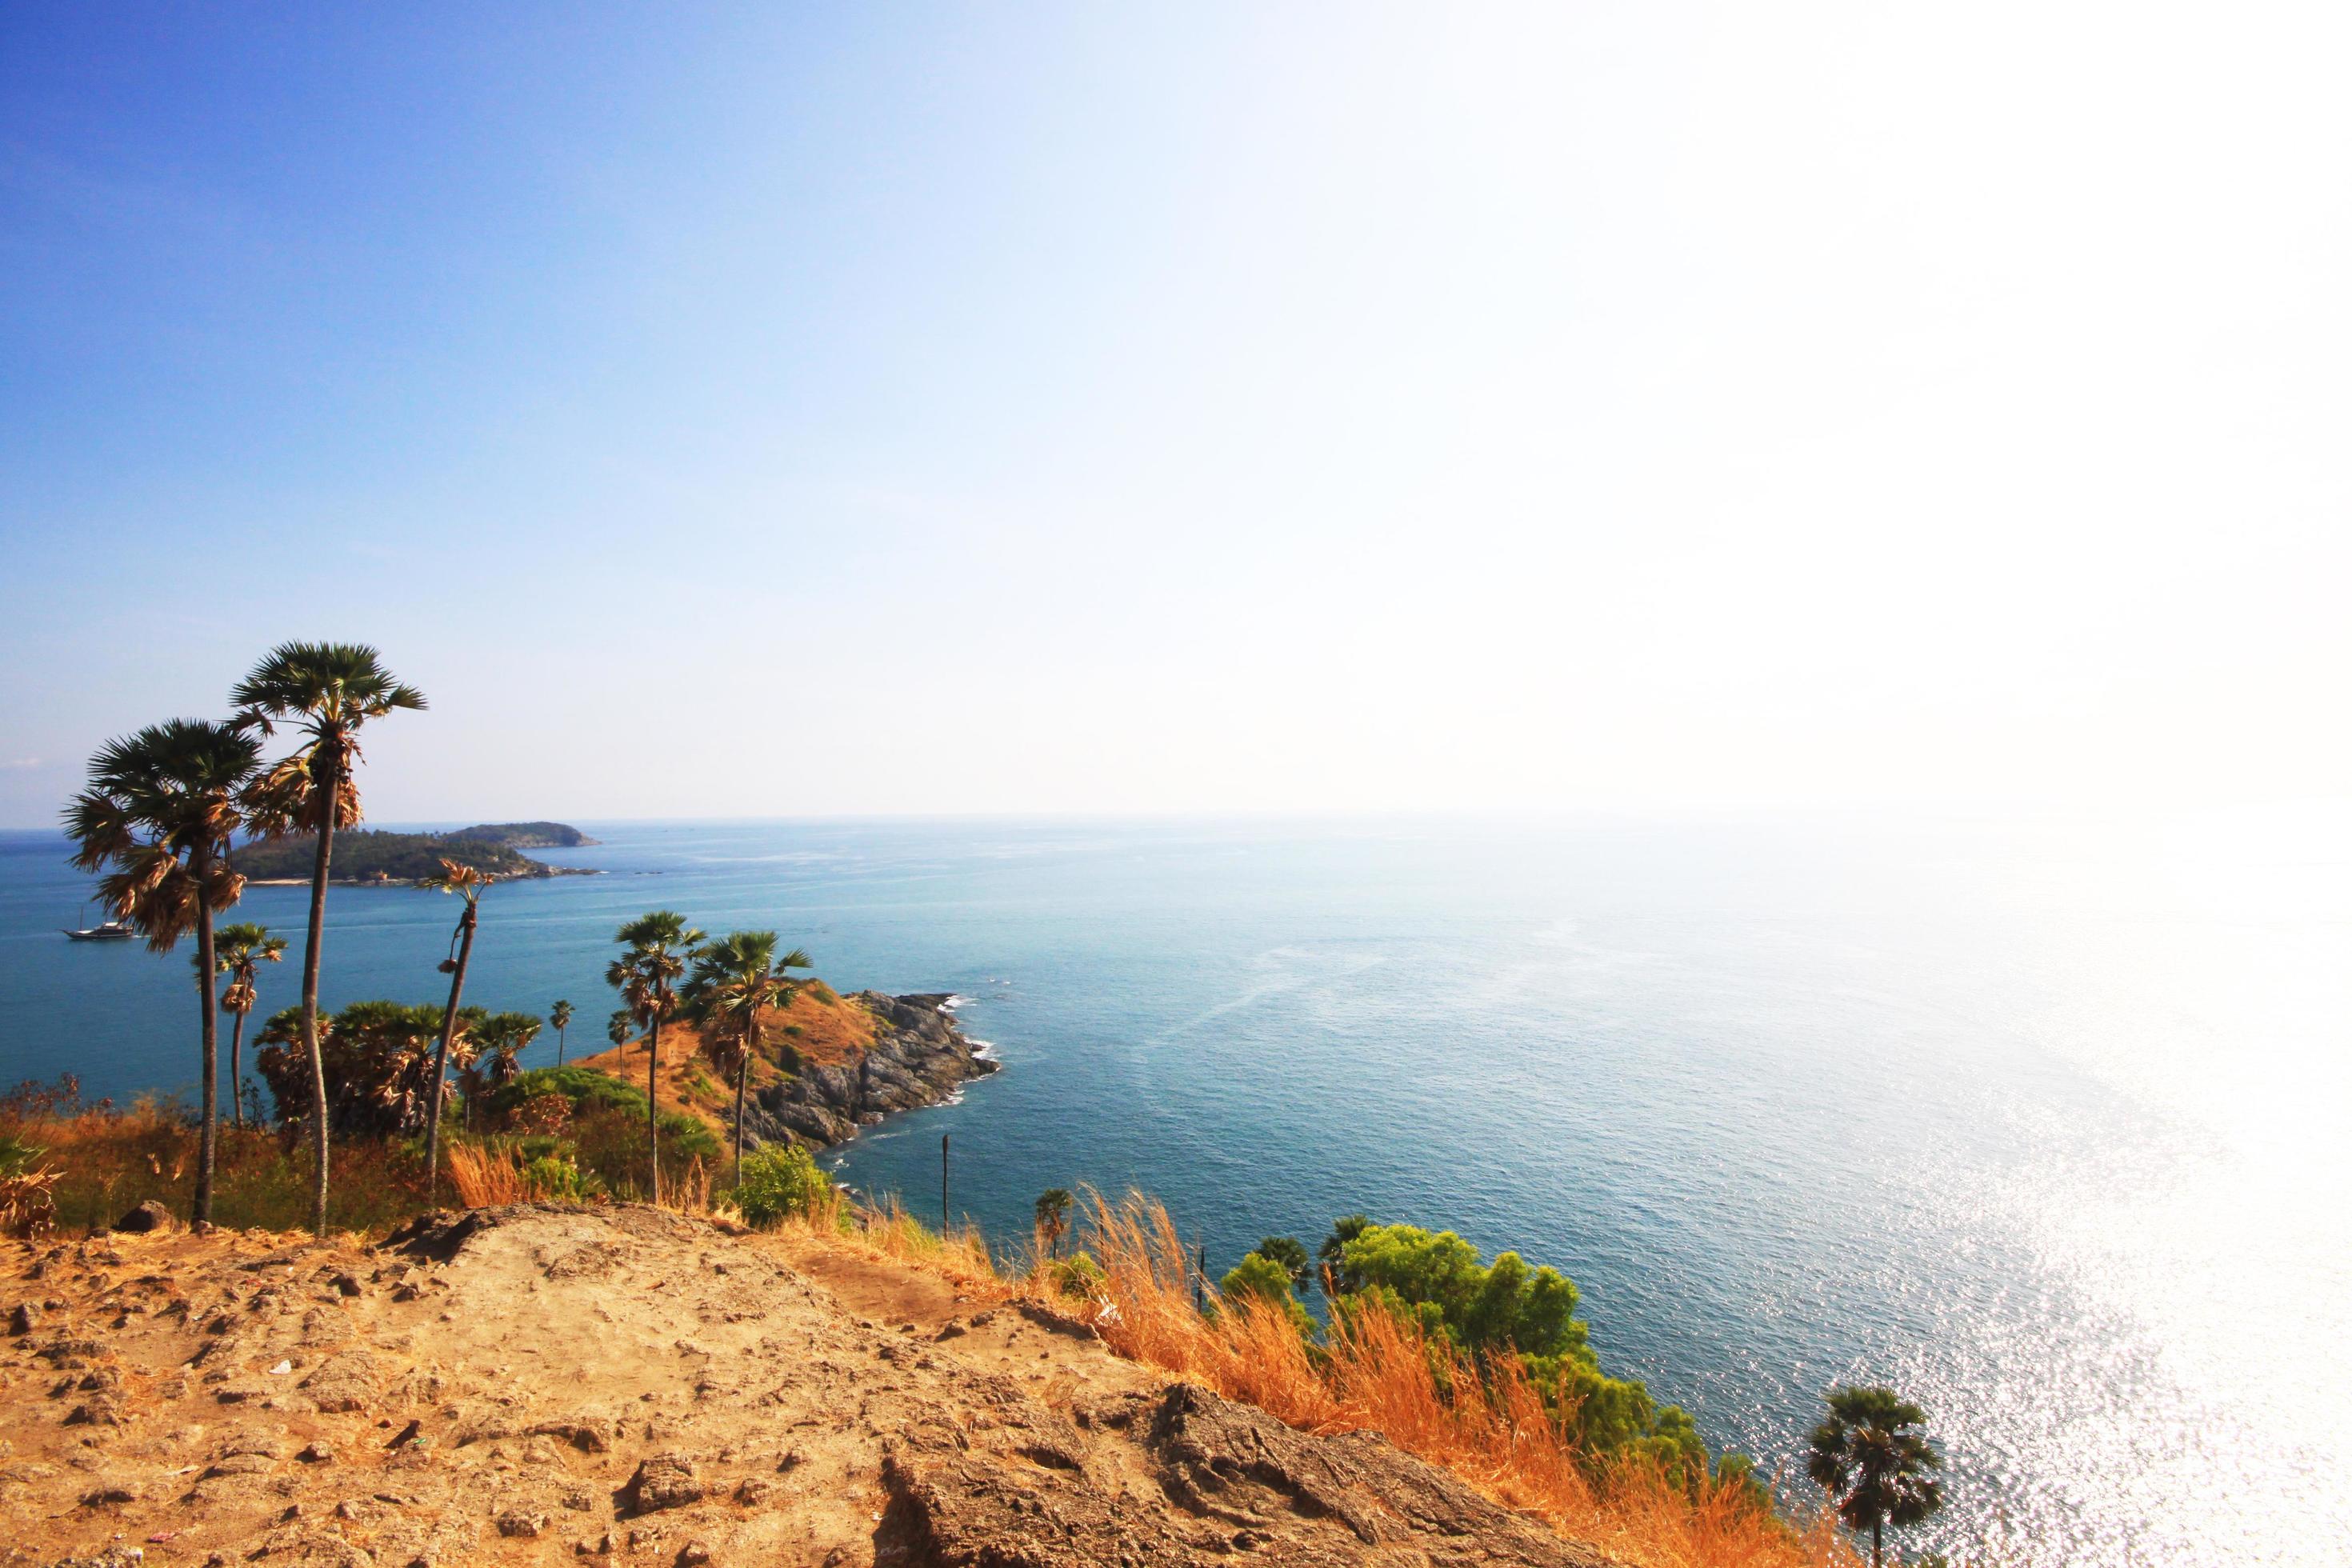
(544,1383)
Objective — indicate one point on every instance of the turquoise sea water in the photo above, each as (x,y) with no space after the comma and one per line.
(2050,1128)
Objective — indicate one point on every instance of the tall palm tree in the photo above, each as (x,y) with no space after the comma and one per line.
(468,884)
(735,979)
(330,690)
(561,1016)
(242,949)
(162,810)
(1053,1220)
(1867,1451)
(657,945)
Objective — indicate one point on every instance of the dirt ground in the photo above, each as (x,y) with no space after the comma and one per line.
(545,1383)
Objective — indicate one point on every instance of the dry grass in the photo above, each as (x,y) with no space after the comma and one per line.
(484,1177)
(890,1233)
(1382,1373)
(27,1203)
(108,1160)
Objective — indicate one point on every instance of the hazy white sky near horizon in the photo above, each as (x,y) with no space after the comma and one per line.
(1192,409)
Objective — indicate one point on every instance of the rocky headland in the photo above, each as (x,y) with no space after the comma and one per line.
(828,1066)
(918,1057)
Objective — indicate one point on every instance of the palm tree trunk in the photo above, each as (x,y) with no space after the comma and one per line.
(200,1212)
(236,1072)
(1877,1548)
(330,788)
(742,1076)
(558,1047)
(653,1083)
(441,1058)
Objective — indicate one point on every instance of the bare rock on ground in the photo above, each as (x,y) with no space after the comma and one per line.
(149,1219)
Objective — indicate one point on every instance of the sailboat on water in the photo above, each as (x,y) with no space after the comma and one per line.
(104,931)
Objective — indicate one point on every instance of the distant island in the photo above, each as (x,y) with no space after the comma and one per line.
(366,855)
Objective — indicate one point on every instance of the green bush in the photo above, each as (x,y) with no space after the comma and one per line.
(1505,1308)
(778,1180)
(1078,1274)
(1267,1280)
(585,1088)
(559,1176)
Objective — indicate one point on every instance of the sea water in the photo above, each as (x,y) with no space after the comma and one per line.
(2051,1127)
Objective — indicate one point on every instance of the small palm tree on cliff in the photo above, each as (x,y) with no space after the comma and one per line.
(1054,1206)
(617,1026)
(331,691)
(239,951)
(1874,1464)
(736,979)
(467,883)
(158,816)
(656,946)
(560,1015)
(504,1037)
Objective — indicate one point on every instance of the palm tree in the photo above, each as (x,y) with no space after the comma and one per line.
(561,1016)
(735,978)
(331,691)
(241,949)
(468,884)
(1053,1220)
(504,1037)
(162,810)
(658,944)
(617,1026)
(1865,1451)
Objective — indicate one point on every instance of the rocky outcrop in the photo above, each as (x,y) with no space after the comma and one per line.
(919,1057)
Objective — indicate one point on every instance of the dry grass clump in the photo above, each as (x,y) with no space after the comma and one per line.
(27,1206)
(100,1160)
(1380,1372)
(888,1231)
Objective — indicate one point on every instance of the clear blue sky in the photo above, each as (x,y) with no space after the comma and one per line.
(753,411)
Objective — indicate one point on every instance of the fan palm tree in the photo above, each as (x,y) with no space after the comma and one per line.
(617,1026)
(1053,1220)
(330,690)
(561,1016)
(161,810)
(468,884)
(657,945)
(1873,1464)
(735,979)
(503,1037)
(240,949)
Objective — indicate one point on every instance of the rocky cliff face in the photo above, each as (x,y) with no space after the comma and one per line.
(919,1057)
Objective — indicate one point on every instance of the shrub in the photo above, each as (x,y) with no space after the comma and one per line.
(780,1180)
(378,1057)
(542,1115)
(1078,1274)
(1435,1280)
(560,1177)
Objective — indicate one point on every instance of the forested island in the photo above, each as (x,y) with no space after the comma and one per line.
(368,855)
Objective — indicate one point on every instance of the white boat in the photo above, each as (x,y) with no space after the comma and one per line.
(104,931)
